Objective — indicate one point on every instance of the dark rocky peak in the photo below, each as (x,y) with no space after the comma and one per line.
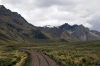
(75,25)
(1,6)
(4,11)
(83,28)
(68,27)
(15,17)
(64,26)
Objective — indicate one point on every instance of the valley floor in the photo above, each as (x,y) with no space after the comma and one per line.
(62,53)
(69,53)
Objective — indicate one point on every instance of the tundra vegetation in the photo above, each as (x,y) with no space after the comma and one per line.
(64,53)
(71,53)
(9,56)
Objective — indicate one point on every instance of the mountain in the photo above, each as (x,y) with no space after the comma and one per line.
(55,33)
(68,27)
(13,27)
(67,32)
(80,32)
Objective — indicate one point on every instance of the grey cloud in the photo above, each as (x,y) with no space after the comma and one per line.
(96,25)
(49,3)
(57,12)
(14,2)
(95,21)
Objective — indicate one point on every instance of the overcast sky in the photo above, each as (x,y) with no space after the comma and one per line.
(57,12)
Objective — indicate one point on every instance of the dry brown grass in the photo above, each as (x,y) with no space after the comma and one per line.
(11,57)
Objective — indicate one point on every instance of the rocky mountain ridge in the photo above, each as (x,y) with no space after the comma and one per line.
(13,27)
(81,32)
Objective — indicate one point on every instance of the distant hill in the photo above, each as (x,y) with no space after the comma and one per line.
(14,28)
(70,33)
(80,32)
(57,34)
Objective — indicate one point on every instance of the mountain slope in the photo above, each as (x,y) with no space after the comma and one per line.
(14,26)
(80,32)
(67,32)
(57,34)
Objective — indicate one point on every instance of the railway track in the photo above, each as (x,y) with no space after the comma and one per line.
(42,61)
(38,59)
(46,60)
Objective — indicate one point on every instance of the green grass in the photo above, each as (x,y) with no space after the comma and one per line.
(64,53)
(9,56)
(71,54)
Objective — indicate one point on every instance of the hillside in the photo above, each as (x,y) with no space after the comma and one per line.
(70,33)
(80,32)
(13,27)
(57,34)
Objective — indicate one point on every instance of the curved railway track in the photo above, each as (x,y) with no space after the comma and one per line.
(38,59)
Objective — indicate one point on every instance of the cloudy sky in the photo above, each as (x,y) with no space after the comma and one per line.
(57,12)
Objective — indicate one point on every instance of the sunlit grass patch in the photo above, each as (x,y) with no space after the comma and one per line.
(12,57)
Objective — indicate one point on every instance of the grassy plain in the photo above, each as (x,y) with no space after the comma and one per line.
(70,53)
(64,53)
